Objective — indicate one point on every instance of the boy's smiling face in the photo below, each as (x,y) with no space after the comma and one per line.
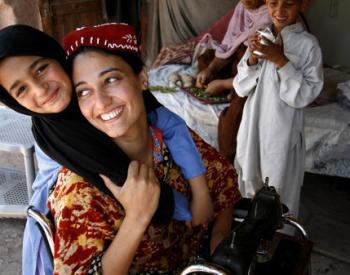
(284,12)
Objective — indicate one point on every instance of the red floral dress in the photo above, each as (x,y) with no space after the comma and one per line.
(87,221)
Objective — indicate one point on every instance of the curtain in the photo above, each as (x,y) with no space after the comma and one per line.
(175,21)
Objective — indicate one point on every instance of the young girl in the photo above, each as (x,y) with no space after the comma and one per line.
(34,82)
(279,83)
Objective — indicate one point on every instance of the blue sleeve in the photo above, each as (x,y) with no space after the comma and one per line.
(34,252)
(179,141)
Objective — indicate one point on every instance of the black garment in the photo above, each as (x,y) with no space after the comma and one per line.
(67,137)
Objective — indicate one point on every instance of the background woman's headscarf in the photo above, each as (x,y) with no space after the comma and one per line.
(67,137)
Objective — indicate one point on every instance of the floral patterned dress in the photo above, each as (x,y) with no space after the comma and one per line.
(87,220)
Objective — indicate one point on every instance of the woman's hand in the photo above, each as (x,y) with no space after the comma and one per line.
(139,196)
(218,86)
(140,193)
(221,228)
(203,77)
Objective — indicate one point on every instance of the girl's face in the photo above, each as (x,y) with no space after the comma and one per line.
(39,84)
(109,93)
(252,4)
(283,12)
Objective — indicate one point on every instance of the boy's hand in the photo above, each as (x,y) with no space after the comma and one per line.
(274,52)
(201,204)
(253,45)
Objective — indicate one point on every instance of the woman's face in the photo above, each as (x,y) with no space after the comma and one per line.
(109,92)
(252,4)
(39,84)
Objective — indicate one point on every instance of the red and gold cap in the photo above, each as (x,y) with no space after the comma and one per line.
(113,37)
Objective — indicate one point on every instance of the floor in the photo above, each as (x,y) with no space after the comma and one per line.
(325,203)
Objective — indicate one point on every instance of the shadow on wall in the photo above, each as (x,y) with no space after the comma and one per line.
(7,16)
(20,12)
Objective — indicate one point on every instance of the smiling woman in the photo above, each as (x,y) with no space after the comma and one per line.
(109,92)
(119,235)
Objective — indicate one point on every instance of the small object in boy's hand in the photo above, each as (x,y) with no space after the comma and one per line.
(265,36)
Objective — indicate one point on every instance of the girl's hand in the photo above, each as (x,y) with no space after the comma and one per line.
(139,195)
(273,52)
(201,204)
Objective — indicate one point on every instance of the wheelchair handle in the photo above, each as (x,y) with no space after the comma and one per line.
(204,267)
(45,225)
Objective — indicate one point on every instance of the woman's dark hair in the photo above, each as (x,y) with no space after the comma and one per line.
(132,59)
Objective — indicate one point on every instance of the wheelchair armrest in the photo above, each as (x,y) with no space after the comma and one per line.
(46,227)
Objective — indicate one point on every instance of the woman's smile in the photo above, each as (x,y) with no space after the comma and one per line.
(109,93)
(112,115)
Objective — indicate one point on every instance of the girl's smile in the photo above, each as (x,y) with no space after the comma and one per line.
(39,84)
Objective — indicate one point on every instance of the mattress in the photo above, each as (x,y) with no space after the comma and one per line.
(327,138)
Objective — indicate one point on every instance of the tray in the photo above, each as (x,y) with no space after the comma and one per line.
(204,98)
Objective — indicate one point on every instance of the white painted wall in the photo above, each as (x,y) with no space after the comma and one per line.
(329,21)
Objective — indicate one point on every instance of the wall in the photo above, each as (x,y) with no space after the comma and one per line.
(19,12)
(7,16)
(329,21)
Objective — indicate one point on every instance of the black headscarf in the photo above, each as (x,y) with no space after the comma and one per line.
(67,137)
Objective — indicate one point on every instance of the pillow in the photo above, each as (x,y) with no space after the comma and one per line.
(344,95)
(329,92)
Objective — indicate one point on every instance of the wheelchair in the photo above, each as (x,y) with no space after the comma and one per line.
(254,247)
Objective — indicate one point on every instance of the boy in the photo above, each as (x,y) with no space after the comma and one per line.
(279,83)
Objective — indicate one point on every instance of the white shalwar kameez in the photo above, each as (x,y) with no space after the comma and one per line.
(270,141)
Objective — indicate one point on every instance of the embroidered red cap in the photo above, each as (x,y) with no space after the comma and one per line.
(114,37)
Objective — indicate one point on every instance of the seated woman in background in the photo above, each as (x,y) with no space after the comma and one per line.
(97,232)
(248,17)
(34,82)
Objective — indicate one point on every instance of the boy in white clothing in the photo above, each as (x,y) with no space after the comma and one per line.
(279,83)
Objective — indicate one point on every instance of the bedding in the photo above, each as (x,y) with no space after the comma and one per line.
(202,118)
(327,126)
(327,138)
